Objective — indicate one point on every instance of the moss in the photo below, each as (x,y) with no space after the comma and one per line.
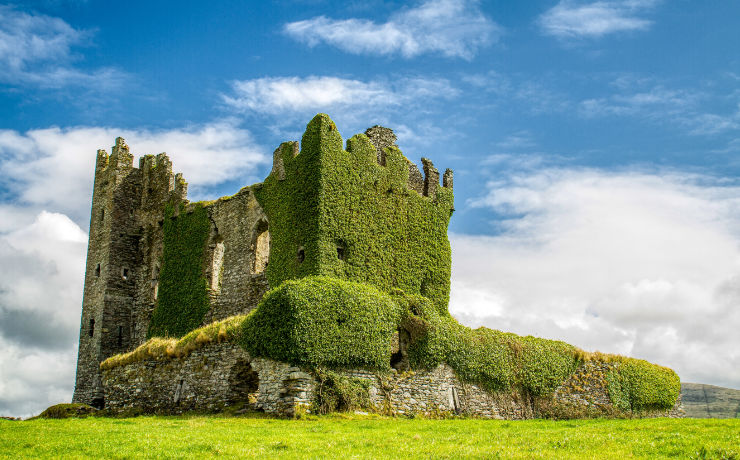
(182,301)
(320,321)
(334,199)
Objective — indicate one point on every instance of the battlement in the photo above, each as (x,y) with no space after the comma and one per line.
(376,146)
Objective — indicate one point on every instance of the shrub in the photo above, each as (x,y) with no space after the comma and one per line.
(338,392)
(322,321)
(638,385)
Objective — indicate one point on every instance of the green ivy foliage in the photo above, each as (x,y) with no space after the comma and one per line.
(321,321)
(637,385)
(333,200)
(182,301)
(338,392)
(493,359)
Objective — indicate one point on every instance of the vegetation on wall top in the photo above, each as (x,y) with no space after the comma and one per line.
(339,213)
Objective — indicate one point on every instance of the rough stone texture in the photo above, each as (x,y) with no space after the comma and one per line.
(208,379)
(211,378)
(125,252)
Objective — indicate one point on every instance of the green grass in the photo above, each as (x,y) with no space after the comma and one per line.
(368,437)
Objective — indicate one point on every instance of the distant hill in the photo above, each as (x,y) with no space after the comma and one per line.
(708,401)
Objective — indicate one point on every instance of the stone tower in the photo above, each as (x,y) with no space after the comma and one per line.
(123,253)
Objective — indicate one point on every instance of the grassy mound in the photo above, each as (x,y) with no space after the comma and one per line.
(67,411)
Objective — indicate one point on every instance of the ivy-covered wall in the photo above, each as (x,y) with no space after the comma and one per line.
(355,255)
(182,301)
(354,219)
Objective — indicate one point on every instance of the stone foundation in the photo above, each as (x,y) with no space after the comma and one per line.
(216,376)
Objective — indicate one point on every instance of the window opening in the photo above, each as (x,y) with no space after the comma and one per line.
(120,335)
(261,248)
(124,273)
(301,255)
(91,329)
(97,270)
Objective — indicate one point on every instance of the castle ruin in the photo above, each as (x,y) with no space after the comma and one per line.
(162,268)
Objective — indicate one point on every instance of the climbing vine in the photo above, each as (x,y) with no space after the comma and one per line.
(182,301)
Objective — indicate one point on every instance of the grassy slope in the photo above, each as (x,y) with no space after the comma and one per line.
(368,437)
(704,401)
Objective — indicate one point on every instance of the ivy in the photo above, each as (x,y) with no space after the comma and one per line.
(638,385)
(355,219)
(322,321)
(182,301)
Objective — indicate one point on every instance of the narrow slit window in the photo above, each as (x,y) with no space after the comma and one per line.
(97,270)
(120,335)
(91,329)
(125,274)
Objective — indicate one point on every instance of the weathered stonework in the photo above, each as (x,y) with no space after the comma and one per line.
(125,252)
(366,216)
(213,377)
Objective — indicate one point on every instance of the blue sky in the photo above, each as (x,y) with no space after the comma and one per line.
(596,150)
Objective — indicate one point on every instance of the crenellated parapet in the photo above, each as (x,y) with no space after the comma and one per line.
(362,212)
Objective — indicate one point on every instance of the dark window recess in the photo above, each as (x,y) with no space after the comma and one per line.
(97,270)
(102,215)
(124,273)
(91,330)
(301,255)
(340,253)
(120,335)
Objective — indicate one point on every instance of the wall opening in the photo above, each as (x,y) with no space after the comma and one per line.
(125,272)
(97,270)
(155,282)
(98,402)
(261,247)
(341,250)
(217,263)
(91,329)
(120,336)
(243,383)
(399,349)
(102,215)
(301,255)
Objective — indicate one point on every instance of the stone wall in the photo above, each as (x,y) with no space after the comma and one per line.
(214,376)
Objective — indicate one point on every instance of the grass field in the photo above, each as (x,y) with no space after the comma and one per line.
(368,437)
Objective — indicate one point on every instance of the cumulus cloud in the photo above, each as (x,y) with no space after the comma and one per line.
(52,168)
(274,95)
(47,184)
(571,19)
(635,263)
(451,28)
(37,50)
(41,280)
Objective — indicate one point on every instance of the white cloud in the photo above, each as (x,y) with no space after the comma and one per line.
(38,50)
(276,95)
(629,262)
(452,28)
(41,278)
(52,168)
(47,179)
(570,19)
(690,109)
